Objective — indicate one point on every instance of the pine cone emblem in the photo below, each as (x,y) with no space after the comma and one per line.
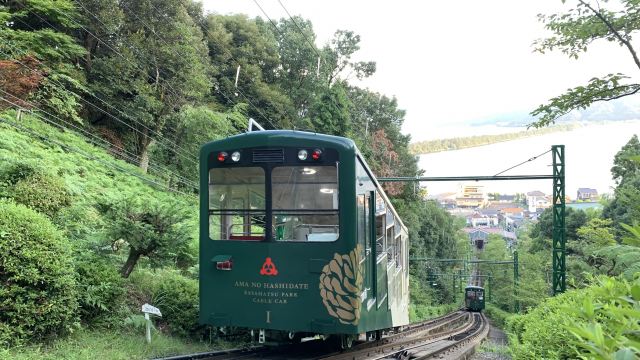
(340,286)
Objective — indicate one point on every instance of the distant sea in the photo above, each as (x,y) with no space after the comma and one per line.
(589,158)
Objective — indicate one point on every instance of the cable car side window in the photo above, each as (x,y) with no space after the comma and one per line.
(237,207)
(305,203)
(380,224)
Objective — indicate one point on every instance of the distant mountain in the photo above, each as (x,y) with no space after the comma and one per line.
(618,110)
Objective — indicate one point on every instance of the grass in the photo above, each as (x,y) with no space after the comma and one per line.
(491,347)
(109,345)
(425,312)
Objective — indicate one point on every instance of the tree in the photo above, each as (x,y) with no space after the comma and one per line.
(156,64)
(20,81)
(625,206)
(191,128)
(624,164)
(338,55)
(36,38)
(543,229)
(376,121)
(236,41)
(151,228)
(573,32)
(330,112)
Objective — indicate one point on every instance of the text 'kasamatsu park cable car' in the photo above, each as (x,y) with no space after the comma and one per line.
(298,239)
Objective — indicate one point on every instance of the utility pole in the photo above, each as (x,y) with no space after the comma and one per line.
(516,281)
(559,232)
(559,235)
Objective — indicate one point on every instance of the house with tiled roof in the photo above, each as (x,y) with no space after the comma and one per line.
(537,200)
(587,194)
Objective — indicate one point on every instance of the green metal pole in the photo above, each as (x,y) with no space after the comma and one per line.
(453,287)
(516,280)
(559,235)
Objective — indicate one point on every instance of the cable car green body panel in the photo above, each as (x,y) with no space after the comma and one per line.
(474,298)
(344,286)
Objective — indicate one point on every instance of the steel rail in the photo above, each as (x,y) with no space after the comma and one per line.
(470,332)
(385,349)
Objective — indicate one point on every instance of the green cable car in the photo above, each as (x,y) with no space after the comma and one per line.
(474,298)
(297,238)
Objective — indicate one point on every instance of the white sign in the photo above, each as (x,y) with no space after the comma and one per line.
(148,309)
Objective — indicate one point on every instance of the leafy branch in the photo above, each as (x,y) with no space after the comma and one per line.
(573,32)
(581,97)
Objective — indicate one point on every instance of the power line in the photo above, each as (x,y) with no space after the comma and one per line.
(91,137)
(522,163)
(299,28)
(311,45)
(205,32)
(81,98)
(86,155)
(137,67)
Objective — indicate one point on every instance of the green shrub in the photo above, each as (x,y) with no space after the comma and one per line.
(38,297)
(178,296)
(101,290)
(34,188)
(174,294)
(15,172)
(597,322)
(81,222)
(497,315)
(43,193)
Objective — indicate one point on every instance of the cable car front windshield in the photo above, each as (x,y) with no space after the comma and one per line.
(305,203)
(237,207)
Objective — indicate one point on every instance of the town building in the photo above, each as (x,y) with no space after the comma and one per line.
(537,200)
(587,194)
(471,196)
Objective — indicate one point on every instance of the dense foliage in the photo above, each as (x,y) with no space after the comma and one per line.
(597,322)
(38,295)
(34,188)
(153,80)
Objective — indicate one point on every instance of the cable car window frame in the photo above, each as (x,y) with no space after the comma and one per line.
(232,212)
(333,211)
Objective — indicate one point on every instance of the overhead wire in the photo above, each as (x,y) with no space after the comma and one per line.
(312,46)
(522,163)
(159,138)
(144,24)
(91,137)
(86,155)
(307,40)
(79,96)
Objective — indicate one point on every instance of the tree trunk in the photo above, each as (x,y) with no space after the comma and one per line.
(89,44)
(128,266)
(143,150)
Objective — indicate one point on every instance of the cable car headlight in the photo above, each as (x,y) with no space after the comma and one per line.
(316,154)
(222,156)
(303,154)
(235,156)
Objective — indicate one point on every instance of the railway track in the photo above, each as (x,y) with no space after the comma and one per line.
(451,334)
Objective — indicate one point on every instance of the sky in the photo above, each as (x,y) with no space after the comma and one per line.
(450,62)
